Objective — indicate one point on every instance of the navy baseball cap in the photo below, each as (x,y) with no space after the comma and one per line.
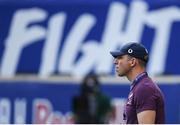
(136,50)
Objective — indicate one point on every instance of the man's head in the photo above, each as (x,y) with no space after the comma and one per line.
(90,84)
(129,56)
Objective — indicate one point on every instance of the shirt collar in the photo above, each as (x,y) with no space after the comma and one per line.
(137,79)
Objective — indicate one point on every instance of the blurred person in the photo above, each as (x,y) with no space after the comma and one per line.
(91,106)
(145,103)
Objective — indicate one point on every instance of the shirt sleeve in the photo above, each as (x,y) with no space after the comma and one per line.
(145,99)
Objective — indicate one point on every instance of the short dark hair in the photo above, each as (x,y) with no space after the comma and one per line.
(141,62)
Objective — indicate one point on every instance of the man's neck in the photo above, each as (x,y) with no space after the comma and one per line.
(134,73)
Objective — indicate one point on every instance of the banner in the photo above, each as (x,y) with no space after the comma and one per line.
(51,102)
(65,37)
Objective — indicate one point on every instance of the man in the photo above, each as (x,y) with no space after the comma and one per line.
(92,106)
(145,103)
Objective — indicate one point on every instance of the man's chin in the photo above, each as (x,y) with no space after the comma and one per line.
(120,74)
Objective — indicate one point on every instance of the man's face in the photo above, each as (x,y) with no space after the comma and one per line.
(122,65)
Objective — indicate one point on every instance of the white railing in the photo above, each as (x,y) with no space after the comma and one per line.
(169,79)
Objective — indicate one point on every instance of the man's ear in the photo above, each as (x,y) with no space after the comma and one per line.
(133,62)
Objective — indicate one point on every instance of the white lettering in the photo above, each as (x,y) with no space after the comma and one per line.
(52,43)
(73,43)
(115,36)
(78,55)
(20,111)
(20,36)
(162,21)
(5,109)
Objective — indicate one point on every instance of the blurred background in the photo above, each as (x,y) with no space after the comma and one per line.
(49,47)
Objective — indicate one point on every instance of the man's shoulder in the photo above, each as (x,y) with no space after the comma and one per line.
(145,85)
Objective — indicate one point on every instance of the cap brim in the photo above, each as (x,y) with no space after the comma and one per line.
(116,54)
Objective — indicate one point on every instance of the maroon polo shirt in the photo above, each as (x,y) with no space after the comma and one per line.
(144,95)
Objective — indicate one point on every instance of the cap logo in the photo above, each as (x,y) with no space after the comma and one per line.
(130,51)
